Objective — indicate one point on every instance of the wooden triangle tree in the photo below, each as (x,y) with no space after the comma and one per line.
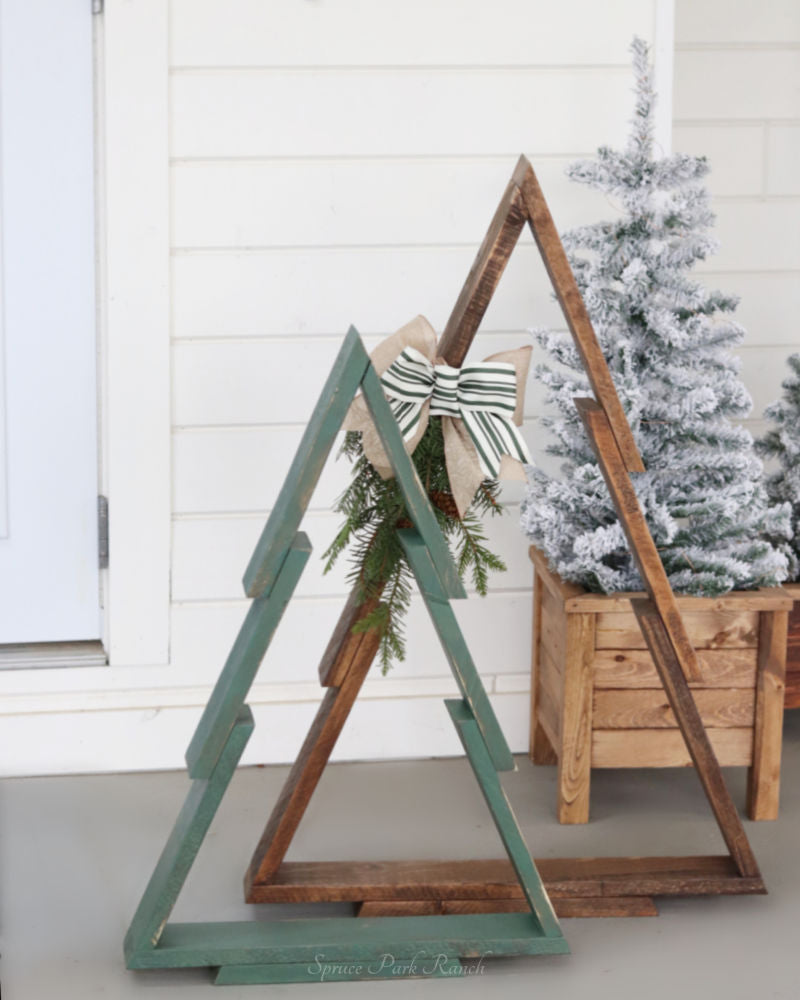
(294,950)
(578,886)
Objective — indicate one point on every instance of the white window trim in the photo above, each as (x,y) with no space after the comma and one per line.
(133,104)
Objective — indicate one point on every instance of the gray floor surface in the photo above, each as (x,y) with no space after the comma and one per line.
(76,852)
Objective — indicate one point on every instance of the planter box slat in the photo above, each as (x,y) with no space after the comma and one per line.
(649,709)
(706,630)
(634,668)
(793,649)
(666,747)
(598,701)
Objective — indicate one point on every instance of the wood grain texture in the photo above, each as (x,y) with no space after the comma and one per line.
(562,590)
(553,630)
(640,541)
(667,747)
(792,699)
(483,277)
(764,778)
(494,879)
(697,741)
(634,668)
(309,765)
(575,748)
(540,749)
(704,630)
(551,694)
(650,709)
(571,302)
(591,906)
(764,599)
(346,648)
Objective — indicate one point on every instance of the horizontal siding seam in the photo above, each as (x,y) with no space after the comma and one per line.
(496,68)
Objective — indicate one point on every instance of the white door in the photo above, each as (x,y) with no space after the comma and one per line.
(48,398)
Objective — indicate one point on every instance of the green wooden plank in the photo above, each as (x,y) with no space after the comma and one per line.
(419,508)
(312,453)
(504,818)
(457,651)
(243,662)
(346,939)
(386,967)
(184,842)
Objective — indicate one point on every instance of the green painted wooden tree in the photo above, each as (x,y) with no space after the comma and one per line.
(288,950)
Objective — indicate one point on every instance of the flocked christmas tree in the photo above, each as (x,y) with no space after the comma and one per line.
(782,442)
(667,341)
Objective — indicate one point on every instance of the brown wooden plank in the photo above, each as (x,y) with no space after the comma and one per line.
(575,747)
(552,687)
(792,696)
(411,907)
(634,668)
(309,765)
(344,647)
(549,717)
(482,879)
(667,747)
(572,305)
(765,599)
(541,750)
(649,709)
(484,275)
(592,906)
(663,651)
(705,630)
(553,628)
(764,779)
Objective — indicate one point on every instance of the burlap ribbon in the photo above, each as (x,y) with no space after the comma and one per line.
(478,393)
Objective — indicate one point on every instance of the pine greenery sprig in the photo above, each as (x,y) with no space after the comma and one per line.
(373,510)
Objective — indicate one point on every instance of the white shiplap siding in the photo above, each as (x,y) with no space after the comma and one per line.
(327,163)
(737,101)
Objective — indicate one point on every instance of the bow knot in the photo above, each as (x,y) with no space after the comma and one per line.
(483,396)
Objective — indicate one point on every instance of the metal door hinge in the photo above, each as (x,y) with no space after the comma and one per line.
(102,531)
(97,6)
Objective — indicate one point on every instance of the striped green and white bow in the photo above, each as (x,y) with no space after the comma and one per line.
(483,396)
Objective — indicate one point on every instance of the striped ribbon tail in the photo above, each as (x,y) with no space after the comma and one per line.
(487,396)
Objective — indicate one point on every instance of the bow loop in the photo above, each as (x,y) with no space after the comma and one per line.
(483,396)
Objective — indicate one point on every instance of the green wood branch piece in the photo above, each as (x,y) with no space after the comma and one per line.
(387,966)
(184,842)
(320,433)
(243,662)
(456,650)
(334,939)
(504,818)
(417,503)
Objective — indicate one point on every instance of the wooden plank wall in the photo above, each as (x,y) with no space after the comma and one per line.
(326,171)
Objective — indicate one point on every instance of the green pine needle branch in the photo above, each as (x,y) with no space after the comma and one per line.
(373,510)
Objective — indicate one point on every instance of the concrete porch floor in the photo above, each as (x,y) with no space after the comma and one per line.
(76,852)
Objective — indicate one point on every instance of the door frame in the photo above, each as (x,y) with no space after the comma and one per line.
(132,64)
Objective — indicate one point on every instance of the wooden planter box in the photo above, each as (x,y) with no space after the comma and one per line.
(597,700)
(793,649)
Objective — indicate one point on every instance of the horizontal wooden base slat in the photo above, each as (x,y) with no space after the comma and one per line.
(719,709)
(564,878)
(343,939)
(667,748)
(591,906)
(387,967)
